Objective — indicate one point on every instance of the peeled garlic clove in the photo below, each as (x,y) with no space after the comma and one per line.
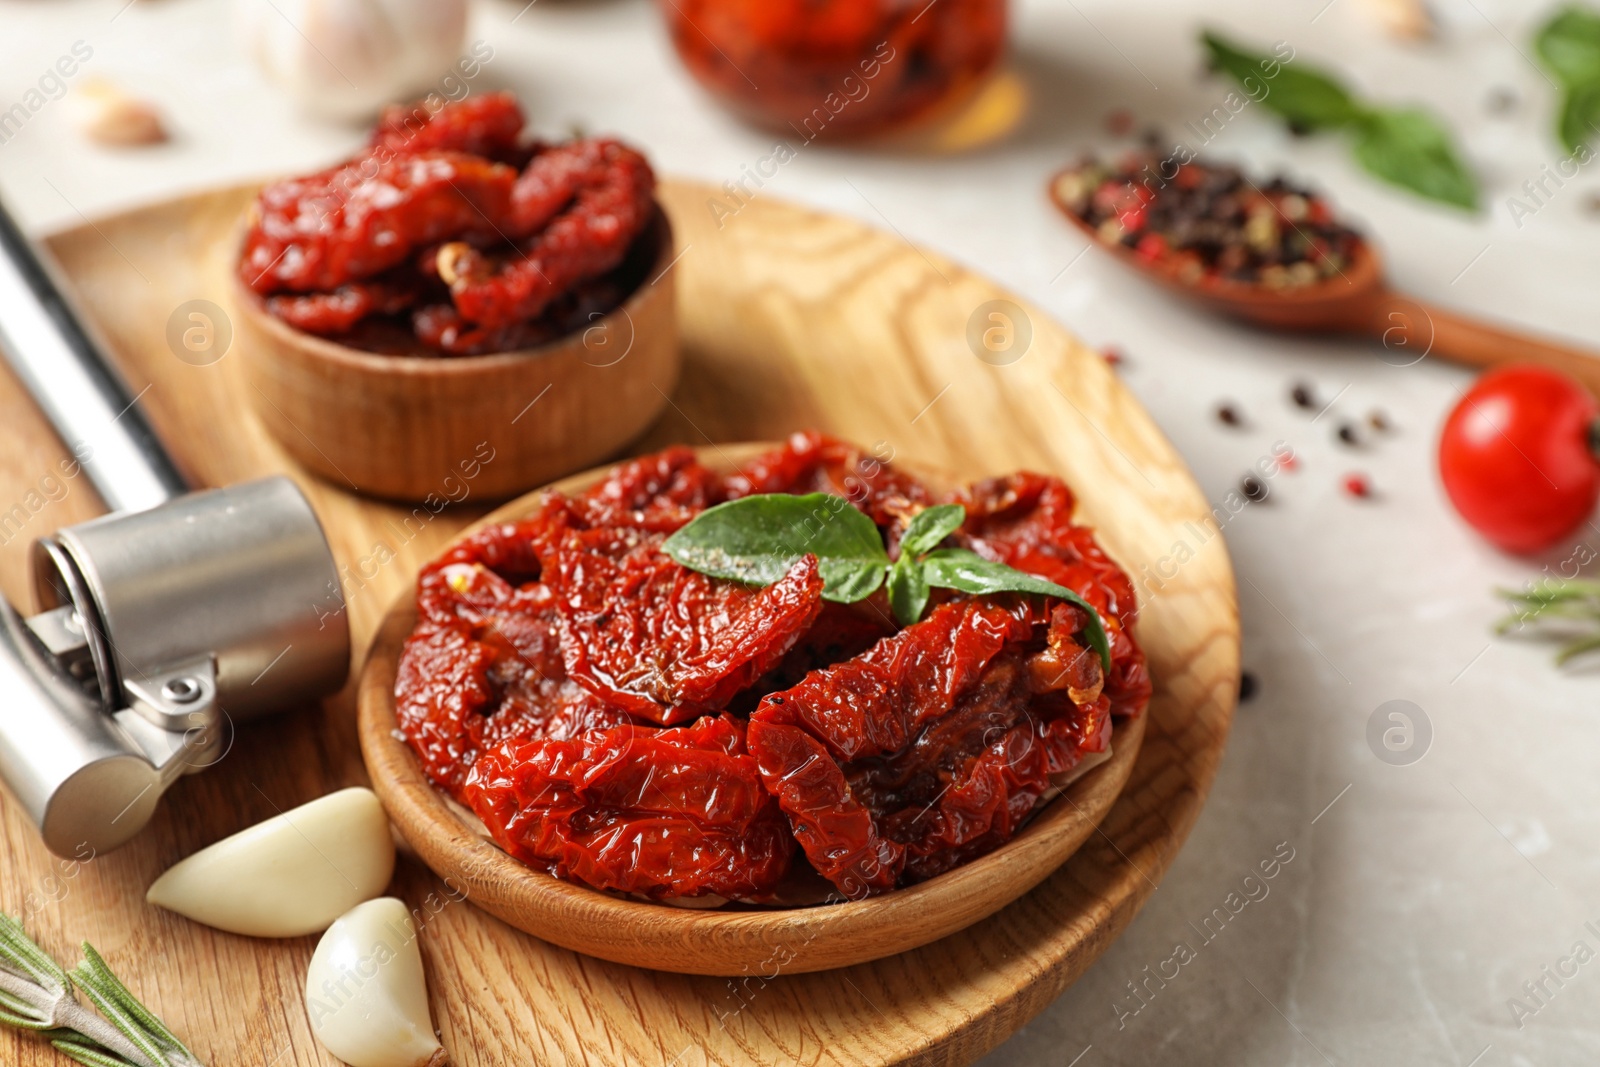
(107,115)
(365,992)
(1406,19)
(290,875)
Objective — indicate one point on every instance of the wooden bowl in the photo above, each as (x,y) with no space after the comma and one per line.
(431,429)
(715,942)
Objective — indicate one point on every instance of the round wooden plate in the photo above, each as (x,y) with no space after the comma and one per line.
(715,942)
(790,318)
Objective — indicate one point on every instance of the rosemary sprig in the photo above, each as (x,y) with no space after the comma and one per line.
(37,994)
(1565,609)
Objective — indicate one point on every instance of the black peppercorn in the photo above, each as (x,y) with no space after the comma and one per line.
(1253,488)
(1247,687)
(1303,395)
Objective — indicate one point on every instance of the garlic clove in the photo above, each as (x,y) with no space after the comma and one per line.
(1408,20)
(291,875)
(365,991)
(107,115)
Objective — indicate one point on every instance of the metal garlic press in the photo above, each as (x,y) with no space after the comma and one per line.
(163,623)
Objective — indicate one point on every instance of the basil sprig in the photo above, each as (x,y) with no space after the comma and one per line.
(1402,146)
(1569,47)
(758,539)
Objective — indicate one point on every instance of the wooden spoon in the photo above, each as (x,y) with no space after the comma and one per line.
(1360,301)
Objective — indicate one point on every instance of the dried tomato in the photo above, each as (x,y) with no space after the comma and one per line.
(486,125)
(484,665)
(345,225)
(1025,520)
(666,643)
(587,201)
(328,314)
(928,747)
(810,462)
(545,646)
(452,230)
(659,492)
(841,632)
(664,813)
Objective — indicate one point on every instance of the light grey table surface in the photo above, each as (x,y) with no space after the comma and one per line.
(1416,905)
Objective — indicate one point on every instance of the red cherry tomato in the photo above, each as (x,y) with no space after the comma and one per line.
(1515,457)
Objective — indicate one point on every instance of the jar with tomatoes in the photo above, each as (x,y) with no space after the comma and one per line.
(829,68)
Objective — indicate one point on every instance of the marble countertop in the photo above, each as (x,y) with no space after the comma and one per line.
(1412,901)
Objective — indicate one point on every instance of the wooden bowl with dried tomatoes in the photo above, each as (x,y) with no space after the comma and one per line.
(829,910)
(459,303)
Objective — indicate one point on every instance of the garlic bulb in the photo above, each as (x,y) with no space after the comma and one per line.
(365,992)
(347,58)
(290,875)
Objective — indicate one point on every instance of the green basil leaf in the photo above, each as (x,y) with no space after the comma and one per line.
(1309,99)
(1409,148)
(1569,45)
(908,590)
(1580,117)
(929,527)
(757,540)
(968,572)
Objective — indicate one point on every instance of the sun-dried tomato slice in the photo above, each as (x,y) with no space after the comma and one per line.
(664,642)
(489,124)
(331,314)
(931,746)
(973,778)
(583,204)
(349,223)
(810,462)
(663,813)
(659,492)
(459,695)
(841,632)
(869,706)
(484,665)
(1025,520)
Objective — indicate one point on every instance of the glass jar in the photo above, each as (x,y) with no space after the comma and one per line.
(826,68)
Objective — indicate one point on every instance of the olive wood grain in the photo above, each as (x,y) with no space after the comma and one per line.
(789,319)
(714,942)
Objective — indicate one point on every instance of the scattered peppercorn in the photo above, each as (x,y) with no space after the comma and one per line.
(1357,485)
(1229,415)
(1287,462)
(1247,687)
(1119,123)
(1303,395)
(1205,223)
(1592,203)
(1347,433)
(1254,489)
(1113,355)
(1378,421)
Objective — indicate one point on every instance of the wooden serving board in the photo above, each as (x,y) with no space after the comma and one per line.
(791,319)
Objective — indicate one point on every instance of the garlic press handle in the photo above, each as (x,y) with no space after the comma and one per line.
(62,362)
